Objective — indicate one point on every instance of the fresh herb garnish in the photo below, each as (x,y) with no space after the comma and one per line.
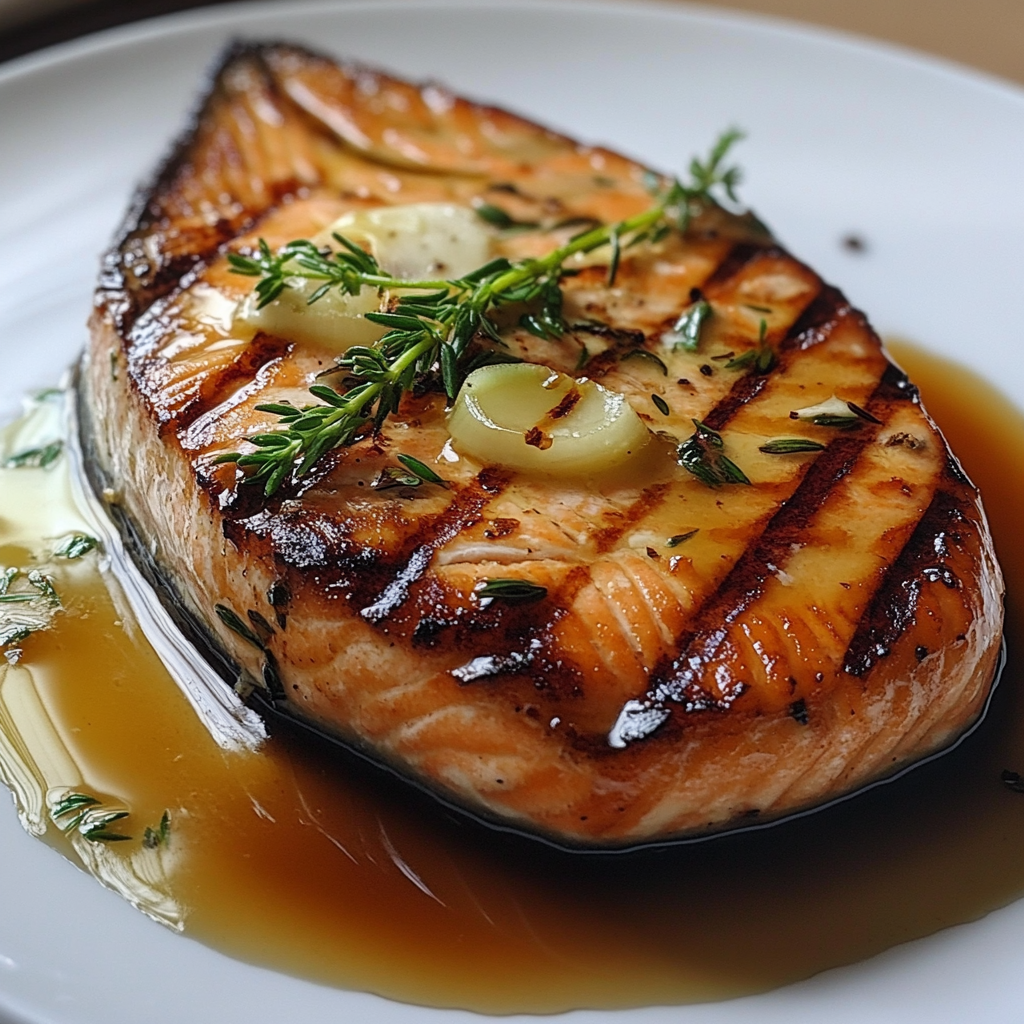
(419,469)
(42,588)
(761,357)
(862,413)
(412,473)
(36,458)
(264,630)
(840,422)
(236,625)
(790,446)
(83,814)
(499,218)
(616,255)
(434,330)
(702,455)
(688,327)
(681,538)
(642,353)
(75,546)
(159,836)
(39,603)
(395,476)
(258,635)
(510,591)
(661,405)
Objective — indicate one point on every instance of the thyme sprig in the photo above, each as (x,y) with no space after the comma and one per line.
(41,584)
(84,814)
(432,323)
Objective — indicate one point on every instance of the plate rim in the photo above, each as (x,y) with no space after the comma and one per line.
(238,14)
(224,15)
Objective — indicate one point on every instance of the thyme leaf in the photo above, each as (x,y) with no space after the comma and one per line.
(509,590)
(395,476)
(689,326)
(419,469)
(36,458)
(499,218)
(83,814)
(661,405)
(762,357)
(702,455)
(432,324)
(642,353)
(236,625)
(159,836)
(75,546)
(42,588)
(839,422)
(790,446)
(681,538)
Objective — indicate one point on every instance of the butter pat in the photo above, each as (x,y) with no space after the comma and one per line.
(413,242)
(417,241)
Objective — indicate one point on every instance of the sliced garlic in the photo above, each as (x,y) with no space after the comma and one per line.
(530,417)
(415,241)
(830,407)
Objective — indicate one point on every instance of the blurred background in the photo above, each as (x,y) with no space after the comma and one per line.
(987,34)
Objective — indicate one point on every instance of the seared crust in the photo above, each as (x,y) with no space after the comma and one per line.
(827,625)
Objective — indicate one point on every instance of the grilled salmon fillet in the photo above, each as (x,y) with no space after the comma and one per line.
(702,656)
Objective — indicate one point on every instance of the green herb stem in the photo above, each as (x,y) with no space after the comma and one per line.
(433,331)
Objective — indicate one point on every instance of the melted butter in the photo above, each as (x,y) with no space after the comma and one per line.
(414,241)
(299,859)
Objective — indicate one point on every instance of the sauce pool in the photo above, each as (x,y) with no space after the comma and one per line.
(301,859)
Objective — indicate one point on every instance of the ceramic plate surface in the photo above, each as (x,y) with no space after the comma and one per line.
(923,160)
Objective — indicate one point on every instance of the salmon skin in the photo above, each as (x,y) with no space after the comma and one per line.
(701,657)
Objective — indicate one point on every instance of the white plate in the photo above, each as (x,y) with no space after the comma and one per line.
(922,159)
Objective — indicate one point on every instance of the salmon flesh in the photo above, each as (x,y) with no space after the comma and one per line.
(700,657)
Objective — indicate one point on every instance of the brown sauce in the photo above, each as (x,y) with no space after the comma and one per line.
(301,860)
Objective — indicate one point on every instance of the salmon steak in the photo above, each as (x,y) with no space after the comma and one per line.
(605,519)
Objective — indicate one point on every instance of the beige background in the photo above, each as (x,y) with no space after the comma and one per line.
(988,34)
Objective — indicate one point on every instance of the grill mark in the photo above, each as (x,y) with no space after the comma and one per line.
(132,276)
(746,580)
(894,606)
(465,511)
(813,326)
(527,649)
(622,340)
(815,322)
(819,316)
(676,680)
(736,259)
(213,390)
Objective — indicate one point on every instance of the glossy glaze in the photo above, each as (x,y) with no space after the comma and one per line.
(304,861)
(822,627)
